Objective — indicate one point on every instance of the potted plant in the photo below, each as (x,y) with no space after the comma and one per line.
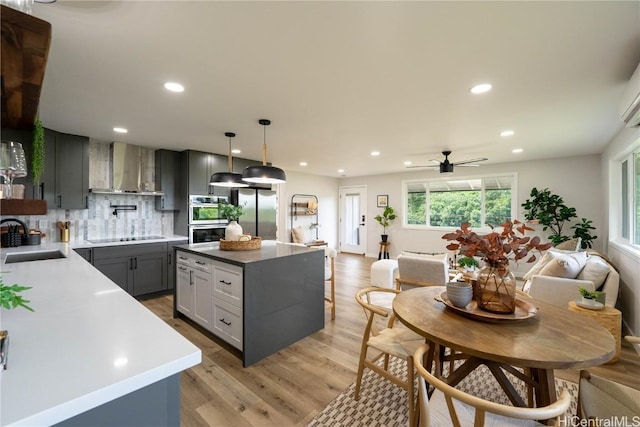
(468,263)
(387,217)
(589,297)
(37,158)
(233,231)
(496,285)
(550,211)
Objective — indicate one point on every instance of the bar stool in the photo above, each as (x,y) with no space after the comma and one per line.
(383,251)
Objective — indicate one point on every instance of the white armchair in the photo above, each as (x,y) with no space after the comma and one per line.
(596,274)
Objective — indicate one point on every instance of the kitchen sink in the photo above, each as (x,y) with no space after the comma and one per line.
(33,256)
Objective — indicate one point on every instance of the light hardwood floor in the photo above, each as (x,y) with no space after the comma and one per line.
(290,387)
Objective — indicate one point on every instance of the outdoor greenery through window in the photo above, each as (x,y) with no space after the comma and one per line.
(450,202)
(630,208)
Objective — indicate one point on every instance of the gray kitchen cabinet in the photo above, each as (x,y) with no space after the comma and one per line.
(139,269)
(86,253)
(167,179)
(171,262)
(200,167)
(71,171)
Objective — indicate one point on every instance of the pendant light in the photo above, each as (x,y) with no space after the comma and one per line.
(264,174)
(228,179)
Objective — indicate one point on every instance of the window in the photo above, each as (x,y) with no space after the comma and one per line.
(630,198)
(450,202)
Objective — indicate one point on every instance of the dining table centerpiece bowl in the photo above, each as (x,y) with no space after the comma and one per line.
(459,293)
(496,284)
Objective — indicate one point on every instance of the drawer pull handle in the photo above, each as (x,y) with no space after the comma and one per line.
(201,263)
(226,283)
(182,257)
(182,268)
(226,323)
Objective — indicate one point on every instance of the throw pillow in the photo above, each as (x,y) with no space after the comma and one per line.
(595,270)
(546,258)
(565,265)
(570,245)
(298,235)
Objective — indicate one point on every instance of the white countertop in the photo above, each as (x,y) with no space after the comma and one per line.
(87,343)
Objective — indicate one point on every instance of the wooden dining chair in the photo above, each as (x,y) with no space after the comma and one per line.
(602,398)
(390,340)
(330,277)
(450,406)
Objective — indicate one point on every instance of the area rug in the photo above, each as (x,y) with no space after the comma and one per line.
(384,404)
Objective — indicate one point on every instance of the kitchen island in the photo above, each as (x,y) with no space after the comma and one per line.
(90,354)
(258,301)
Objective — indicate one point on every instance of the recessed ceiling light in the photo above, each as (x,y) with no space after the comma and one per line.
(407,163)
(174,87)
(481,88)
(507,132)
(120,130)
(340,170)
(236,151)
(375,153)
(303,163)
(517,150)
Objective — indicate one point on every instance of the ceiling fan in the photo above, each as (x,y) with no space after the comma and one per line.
(446,166)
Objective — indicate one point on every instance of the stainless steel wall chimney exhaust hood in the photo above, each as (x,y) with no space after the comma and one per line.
(132,169)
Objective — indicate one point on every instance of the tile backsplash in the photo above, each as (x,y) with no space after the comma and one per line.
(98,222)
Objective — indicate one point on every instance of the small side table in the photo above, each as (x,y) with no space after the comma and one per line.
(383,252)
(610,318)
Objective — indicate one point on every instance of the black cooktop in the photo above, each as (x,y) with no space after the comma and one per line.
(125,239)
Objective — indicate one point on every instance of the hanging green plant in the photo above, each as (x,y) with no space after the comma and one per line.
(37,154)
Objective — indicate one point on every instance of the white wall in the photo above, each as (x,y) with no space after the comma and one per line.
(625,258)
(577,180)
(326,189)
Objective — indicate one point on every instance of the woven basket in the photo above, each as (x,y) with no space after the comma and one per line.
(240,245)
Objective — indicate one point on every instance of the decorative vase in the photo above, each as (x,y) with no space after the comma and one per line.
(496,288)
(233,231)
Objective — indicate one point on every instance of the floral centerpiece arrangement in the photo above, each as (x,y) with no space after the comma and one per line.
(496,284)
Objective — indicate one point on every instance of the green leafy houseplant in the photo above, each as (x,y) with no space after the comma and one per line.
(388,215)
(37,155)
(468,262)
(231,212)
(550,211)
(9,297)
(589,294)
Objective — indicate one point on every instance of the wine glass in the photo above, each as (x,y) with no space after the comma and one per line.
(12,164)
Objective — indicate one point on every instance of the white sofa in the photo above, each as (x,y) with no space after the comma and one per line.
(556,277)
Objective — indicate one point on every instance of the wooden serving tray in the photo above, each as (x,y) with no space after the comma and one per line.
(241,245)
(524,311)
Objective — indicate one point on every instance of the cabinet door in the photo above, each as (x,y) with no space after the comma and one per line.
(227,322)
(86,253)
(227,283)
(167,175)
(149,273)
(171,262)
(48,179)
(184,290)
(202,298)
(119,270)
(72,171)
(198,172)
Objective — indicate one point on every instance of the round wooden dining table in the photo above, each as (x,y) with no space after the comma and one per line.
(553,338)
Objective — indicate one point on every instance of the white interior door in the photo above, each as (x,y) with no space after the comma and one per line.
(353,219)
